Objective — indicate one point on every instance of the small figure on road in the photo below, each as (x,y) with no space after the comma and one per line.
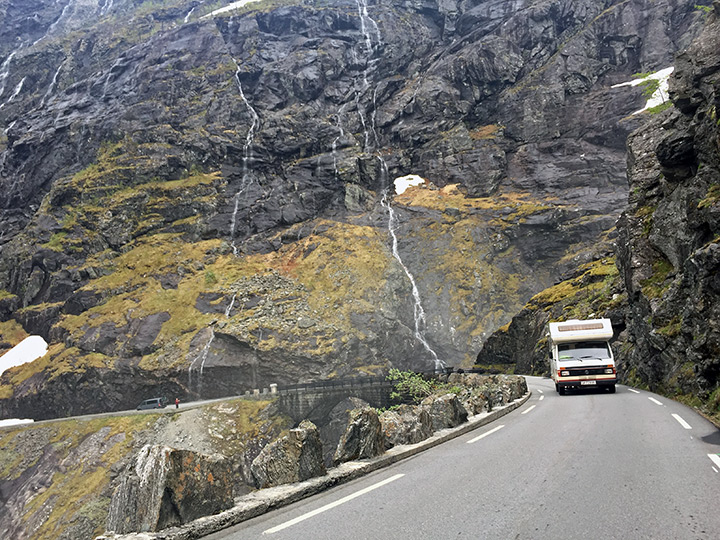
(177,403)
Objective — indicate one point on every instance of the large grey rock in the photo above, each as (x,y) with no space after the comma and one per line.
(166,487)
(445,411)
(333,431)
(293,458)
(408,424)
(363,437)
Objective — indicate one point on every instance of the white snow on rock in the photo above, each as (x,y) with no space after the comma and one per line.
(15,422)
(229,7)
(660,95)
(404,182)
(29,349)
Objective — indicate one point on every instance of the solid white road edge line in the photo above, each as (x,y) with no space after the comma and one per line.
(654,400)
(715,458)
(493,430)
(332,505)
(683,423)
(528,410)
(633,390)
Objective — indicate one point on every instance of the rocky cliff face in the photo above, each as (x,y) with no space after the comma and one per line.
(199,204)
(663,299)
(669,251)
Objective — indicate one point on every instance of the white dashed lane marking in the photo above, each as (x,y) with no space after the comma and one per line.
(486,434)
(655,401)
(332,505)
(682,422)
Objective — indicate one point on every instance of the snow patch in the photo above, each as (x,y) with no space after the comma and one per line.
(29,349)
(229,7)
(404,182)
(661,95)
(15,422)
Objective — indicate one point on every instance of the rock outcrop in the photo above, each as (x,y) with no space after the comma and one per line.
(408,424)
(445,411)
(336,426)
(166,487)
(669,245)
(363,437)
(295,457)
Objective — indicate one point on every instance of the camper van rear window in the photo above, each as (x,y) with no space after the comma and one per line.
(578,327)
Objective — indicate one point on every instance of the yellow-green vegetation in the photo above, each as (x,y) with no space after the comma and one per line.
(712,197)
(656,285)
(672,328)
(12,332)
(590,291)
(450,197)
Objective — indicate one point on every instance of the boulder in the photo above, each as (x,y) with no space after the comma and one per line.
(332,432)
(363,437)
(446,411)
(293,458)
(408,424)
(167,487)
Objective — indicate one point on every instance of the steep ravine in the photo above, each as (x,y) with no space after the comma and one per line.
(191,205)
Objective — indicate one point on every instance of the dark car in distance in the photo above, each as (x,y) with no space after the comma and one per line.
(153,403)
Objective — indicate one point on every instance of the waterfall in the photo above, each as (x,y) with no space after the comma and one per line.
(57,21)
(17,90)
(419,312)
(5,71)
(247,155)
(341,134)
(202,357)
(51,88)
(366,24)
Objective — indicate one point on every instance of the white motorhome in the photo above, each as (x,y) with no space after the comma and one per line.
(580,355)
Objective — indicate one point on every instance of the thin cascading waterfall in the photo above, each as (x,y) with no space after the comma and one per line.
(5,71)
(107,7)
(418,311)
(17,90)
(53,84)
(247,155)
(336,140)
(202,357)
(204,353)
(57,22)
(367,22)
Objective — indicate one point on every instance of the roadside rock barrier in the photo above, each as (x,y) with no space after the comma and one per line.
(166,487)
(292,458)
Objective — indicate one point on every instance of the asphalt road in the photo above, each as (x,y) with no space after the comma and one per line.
(586,465)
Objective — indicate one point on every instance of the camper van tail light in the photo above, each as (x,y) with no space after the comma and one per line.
(610,371)
(563,373)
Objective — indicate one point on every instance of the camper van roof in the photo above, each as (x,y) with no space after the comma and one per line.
(580,330)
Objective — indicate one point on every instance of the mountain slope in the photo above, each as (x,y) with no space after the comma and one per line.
(199,205)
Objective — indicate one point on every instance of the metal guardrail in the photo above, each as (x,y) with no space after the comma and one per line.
(335,383)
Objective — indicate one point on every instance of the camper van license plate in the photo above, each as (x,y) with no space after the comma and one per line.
(588,382)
